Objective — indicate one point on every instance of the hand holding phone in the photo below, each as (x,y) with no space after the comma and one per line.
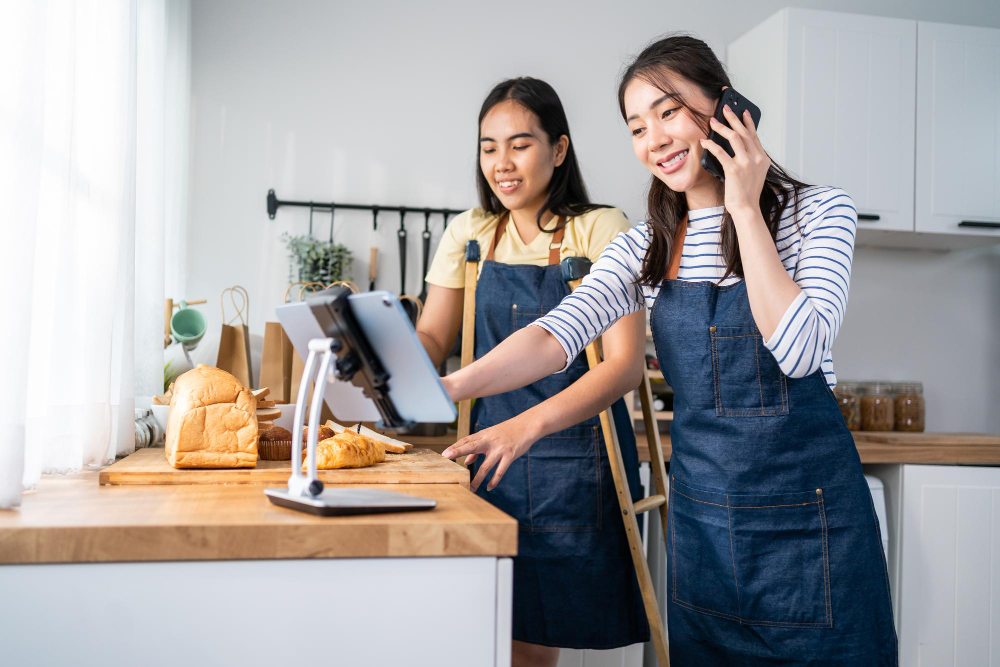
(738,103)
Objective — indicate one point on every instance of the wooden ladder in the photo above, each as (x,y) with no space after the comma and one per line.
(630,510)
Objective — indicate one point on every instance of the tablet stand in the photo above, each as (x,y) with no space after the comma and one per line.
(344,356)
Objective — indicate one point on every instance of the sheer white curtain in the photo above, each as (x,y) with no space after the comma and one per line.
(69,146)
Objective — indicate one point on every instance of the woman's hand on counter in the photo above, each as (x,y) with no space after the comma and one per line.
(500,445)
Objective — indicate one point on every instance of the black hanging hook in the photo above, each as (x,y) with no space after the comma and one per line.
(375,218)
(425,256)
(333,209)
(401,234)
(310,219)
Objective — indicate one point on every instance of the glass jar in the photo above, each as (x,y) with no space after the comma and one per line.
(847,398)
(876,406)
(143,435)
(908,406)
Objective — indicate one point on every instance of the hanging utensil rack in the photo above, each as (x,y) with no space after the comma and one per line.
(273,203)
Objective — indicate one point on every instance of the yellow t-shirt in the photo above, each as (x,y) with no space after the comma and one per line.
(586,236)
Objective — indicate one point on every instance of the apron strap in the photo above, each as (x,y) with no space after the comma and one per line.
(501,226)
(675,256)
(554,246)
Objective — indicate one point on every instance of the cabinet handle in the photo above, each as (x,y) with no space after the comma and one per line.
(868,216)
(979,223)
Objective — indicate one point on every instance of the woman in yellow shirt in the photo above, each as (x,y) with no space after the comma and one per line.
(574,586)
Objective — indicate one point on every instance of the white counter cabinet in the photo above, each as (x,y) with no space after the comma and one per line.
(904,115)
(958,129)
(836,93)
(362,612)
(944,527)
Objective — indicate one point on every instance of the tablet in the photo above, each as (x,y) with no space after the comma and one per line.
(414,387)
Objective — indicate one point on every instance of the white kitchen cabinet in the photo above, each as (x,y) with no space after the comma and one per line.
(361,612)
(836,93)
(958,129)
(949,567)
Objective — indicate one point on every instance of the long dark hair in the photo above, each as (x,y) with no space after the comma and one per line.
(689,57)
(567,194)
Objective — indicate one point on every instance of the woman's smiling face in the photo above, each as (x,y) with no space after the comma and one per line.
(666,136)
(517,157)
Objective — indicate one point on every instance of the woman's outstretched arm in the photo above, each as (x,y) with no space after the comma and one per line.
(526,356)
(620,371)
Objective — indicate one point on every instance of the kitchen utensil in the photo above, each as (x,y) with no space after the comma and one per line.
(401,235)
(372,266)
(410,304)
(425,237)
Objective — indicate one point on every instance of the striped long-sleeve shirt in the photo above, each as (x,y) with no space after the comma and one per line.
(815,242)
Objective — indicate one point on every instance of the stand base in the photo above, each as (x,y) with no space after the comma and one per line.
(338,502)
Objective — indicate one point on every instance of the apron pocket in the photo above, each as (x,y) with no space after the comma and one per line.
(564,481)
(748,381)
(782,559)
(701,552)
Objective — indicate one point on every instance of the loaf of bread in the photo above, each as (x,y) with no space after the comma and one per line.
(212,422)
(347,450)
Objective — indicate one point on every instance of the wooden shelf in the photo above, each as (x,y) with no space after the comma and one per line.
(662,414)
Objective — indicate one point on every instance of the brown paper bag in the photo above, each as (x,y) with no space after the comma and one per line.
(276,362)
(234,341)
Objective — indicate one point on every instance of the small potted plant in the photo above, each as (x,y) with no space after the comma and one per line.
(317,261)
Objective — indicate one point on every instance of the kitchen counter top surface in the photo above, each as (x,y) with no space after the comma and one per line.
(891,447)
(73,519)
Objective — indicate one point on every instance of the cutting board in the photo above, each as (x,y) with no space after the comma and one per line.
(418,466)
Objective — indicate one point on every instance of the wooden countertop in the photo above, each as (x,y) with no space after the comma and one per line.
(73,519)
(892,447)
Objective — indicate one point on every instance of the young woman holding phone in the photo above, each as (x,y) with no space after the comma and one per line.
(773,548)
(573,581)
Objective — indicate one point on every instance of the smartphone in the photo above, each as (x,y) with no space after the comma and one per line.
(738,104)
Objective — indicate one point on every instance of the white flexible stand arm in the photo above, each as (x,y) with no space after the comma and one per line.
(309,484)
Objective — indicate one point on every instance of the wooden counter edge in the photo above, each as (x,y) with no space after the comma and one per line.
(966,451)
(108,544)
(71,519)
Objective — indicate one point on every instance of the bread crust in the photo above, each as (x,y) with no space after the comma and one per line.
(212,421)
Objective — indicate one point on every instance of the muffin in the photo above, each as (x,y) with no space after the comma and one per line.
(275,444)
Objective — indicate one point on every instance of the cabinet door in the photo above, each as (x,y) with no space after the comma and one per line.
(949,598)
(850,110)
(958,129)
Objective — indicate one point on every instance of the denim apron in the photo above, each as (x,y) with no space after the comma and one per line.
(774,554)
(574,582)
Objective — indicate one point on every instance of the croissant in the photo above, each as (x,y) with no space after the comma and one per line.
(348,450)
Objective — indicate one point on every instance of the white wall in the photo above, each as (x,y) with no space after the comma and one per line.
(376,103)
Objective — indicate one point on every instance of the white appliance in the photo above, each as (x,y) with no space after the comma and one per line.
(878,498)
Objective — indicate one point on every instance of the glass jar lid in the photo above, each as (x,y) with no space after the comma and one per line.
(908,388)
(877,388)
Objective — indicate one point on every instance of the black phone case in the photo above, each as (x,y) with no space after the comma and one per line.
(738,104)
